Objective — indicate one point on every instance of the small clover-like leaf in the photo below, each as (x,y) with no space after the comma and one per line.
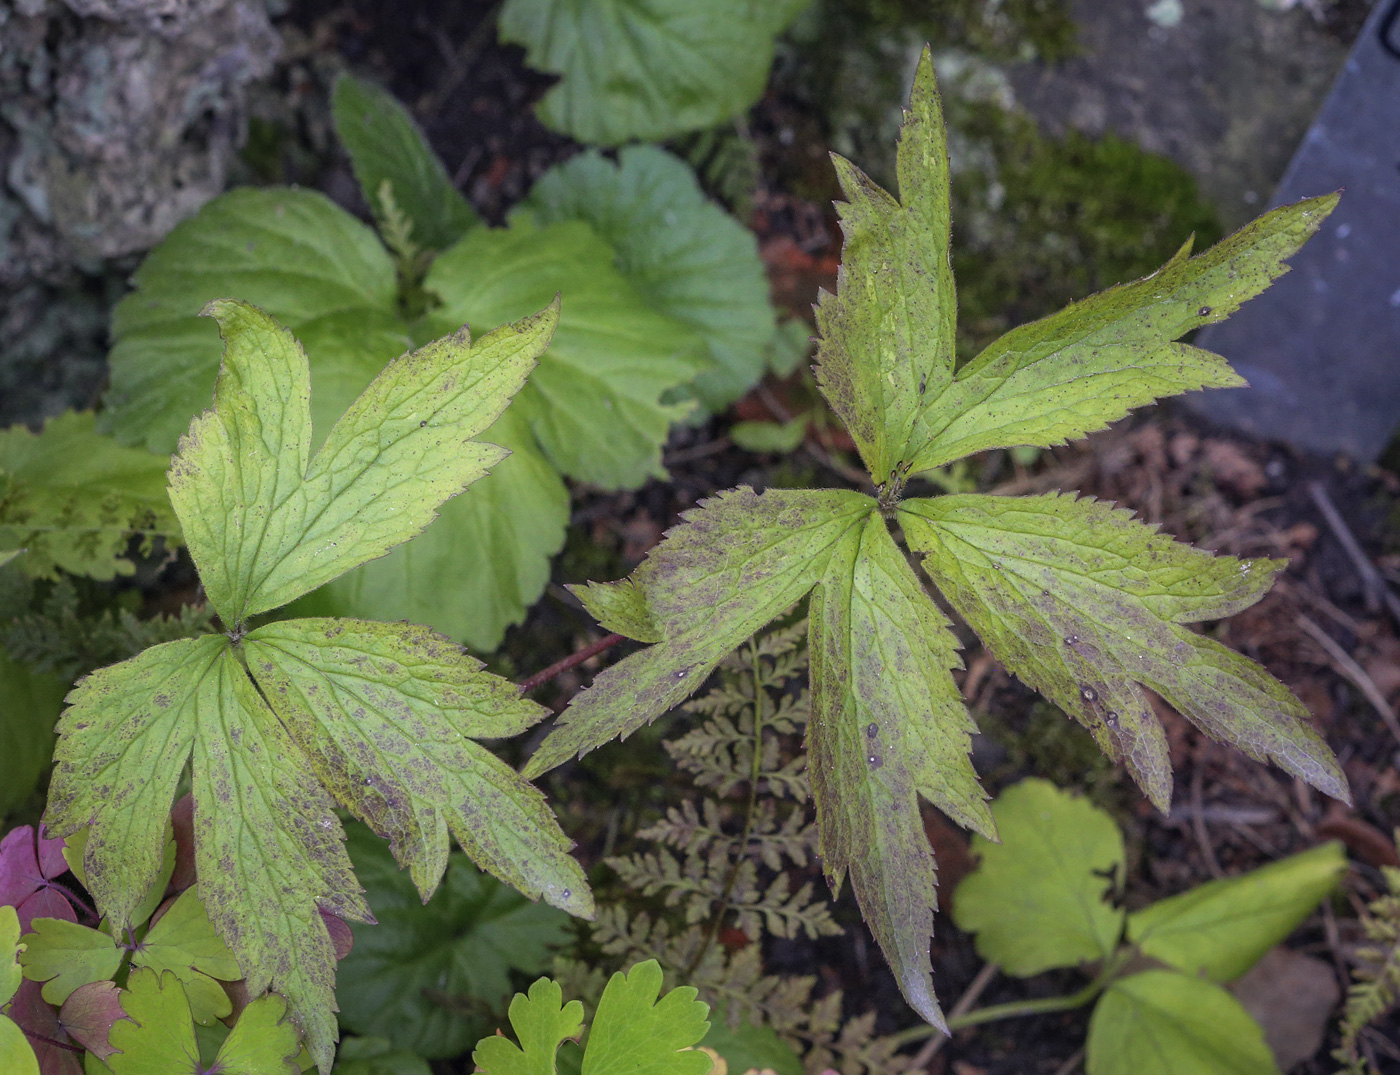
(183,942)
(737,562)
(72,499)
(1221,928)
(1087,606)
(635,1032)
(64,955)
(1164,1023)
(386,714)
(1040,899)
(29,861)
(542,1022)
(885,346)
(266,522)
(158,1037)
(385,144)
(888,724)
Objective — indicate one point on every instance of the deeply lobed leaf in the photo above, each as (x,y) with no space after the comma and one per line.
(267,523)
(888,724)
(735,564)
(1084,604)
(542,1022)
(885,348)
(1092,362)
(385,714)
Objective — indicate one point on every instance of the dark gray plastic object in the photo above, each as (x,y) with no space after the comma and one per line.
(1321,347)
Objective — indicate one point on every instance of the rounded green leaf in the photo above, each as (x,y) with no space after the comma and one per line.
(11,974)
(1040,897)
(1164,1023)
(16,1056)
(684,254)
(428,976)
(1221,928)
(646,70)
(64,955)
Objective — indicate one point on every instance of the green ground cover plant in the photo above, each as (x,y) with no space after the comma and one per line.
(1044,898)
(1073,596)
(667,312)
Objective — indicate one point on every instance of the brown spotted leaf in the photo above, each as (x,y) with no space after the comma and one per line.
(736,563)
(888,724)
(1087,605)
(386,714)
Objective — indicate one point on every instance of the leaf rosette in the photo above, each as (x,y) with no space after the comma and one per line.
(281,722)
(1077,598)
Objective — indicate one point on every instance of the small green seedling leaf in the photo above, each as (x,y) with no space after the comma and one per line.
(1087,606)
(685,255)
(1039,899)
(183,942)
(158,1038)
(738,562)
(385,144)
(542,1022)
(888,724)
(1164,1023)
(781,437)
(885,345)
(408,978)
(635,1032)
(72,499)
(648,71)
(266,522)
(1221,928)
(64,955)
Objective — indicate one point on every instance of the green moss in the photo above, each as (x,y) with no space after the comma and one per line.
(1049,744)
(1046,221)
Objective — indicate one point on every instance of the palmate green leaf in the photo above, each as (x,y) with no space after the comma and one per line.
(291,252)
(1090,364)
(385,144)
(72,499)
(646,69)
(542,1022)
(267,845)
(64,955)
(428,975)
(386,713)
(158,1038)
(1086,605)
(736,563)
(885,338)
(888,724)
(482,562)
(1164,1023)
(594,402)
(266,522)
(684,254)
(1221,928)
(1040,899)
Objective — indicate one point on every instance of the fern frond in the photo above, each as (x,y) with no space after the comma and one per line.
(1376,989)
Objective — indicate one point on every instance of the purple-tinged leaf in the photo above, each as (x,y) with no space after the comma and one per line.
(88,1014)
(29,862)
(40,1024)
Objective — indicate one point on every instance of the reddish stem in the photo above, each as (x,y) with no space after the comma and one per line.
(539,679)
(50,1041)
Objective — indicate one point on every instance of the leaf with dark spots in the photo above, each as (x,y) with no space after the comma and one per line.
(736,563)
(266,522)
(886,335)
(386,715)
(888,724)
(1090,364)
(1085,604)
